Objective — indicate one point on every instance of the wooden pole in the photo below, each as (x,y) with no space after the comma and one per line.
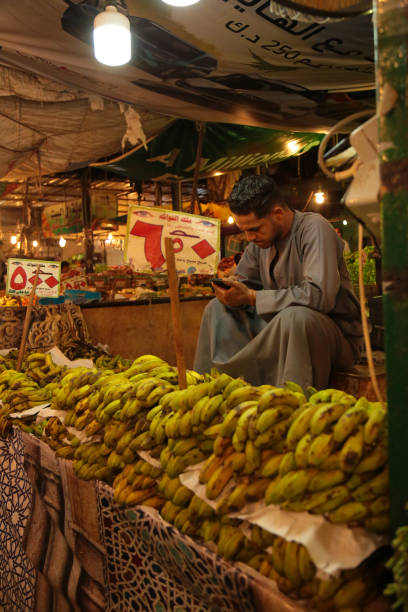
(201,131)
(27,321)
(175,312)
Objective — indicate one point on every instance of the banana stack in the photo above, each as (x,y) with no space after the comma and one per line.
(91,461)
(19,392)
(290,566)
(250,444)
(193,517)
(41,368)
(336,462)
(138,484)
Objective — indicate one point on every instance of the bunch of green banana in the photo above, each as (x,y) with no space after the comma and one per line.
(93,461)
(137,484)
(173,490)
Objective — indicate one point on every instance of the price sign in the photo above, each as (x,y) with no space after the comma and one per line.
(196,240)
(21,276)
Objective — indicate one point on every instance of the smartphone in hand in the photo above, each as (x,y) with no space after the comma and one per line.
(220,283)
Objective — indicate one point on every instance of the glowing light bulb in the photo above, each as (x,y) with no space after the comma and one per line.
(217,173)
(35,243)
(345,222)
(231,220)
(180,2)
(13,240)
(62,242)
(293,146)
(111,36)
(319,197)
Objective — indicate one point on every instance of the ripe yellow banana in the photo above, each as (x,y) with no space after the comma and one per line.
(182,496)
(325,415)
(374,461)
(351,419)
(320,449)
(300,425)
(271,416)
(375,424)
(236,461)
(291,563)
(271,467)
(307,568)
(211,409)
(274,435)
(240,395)
(288,463)
(302,450)
(243,421)
(352,451)
(212,463)
(218,481)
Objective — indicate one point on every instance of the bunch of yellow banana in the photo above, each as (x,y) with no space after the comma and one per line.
(9,361)
(19,392)
(6,300)
(137,484)
(336,460)
(41,368)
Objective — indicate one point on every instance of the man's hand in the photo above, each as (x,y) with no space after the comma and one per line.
(238,295)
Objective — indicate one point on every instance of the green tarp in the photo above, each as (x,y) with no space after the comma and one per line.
(171,156)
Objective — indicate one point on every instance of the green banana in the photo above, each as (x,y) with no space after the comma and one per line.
(349,513)
(326,480)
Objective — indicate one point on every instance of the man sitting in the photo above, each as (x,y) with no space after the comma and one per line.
(290,312)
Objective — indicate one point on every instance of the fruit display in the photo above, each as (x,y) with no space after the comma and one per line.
(325,455)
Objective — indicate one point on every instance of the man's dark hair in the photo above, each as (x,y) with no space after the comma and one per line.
(64,265)
(257,194)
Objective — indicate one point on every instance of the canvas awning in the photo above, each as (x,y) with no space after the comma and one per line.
(171,156)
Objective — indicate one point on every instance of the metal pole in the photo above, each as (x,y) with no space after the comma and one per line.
(391,38)
(86,218)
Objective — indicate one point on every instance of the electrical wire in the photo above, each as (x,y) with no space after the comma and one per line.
(367,341)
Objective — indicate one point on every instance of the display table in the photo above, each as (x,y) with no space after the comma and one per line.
(65,545)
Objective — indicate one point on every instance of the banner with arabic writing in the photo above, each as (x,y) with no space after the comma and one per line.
(196,241)
(224,61)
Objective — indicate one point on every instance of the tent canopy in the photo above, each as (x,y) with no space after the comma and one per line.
(171,156)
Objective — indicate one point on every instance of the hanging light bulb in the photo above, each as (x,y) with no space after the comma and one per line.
(62,242)
(231,219)
(181,2)
(319,197)
(35,243)
(13,240)
(345,222)
(111,35)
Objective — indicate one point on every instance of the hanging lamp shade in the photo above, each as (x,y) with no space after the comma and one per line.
(111,35)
